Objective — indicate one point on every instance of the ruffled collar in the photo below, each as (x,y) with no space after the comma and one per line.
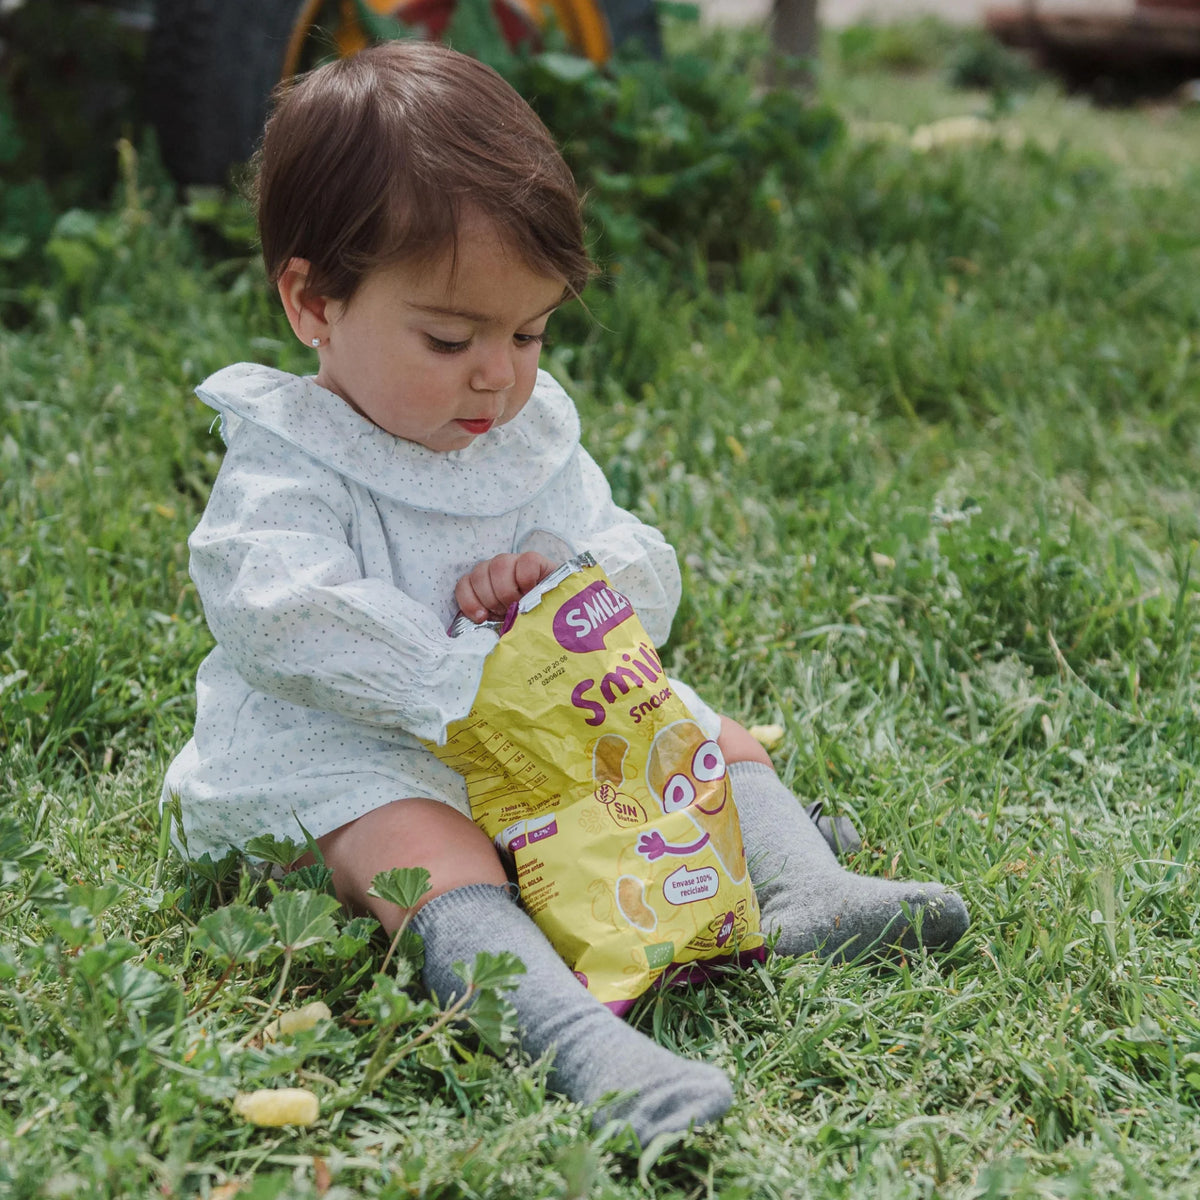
(499,471)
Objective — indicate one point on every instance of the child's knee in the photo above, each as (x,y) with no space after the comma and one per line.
(737,744)
(408,833)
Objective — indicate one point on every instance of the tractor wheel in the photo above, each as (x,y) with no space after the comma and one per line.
(210,68)
(211,64)
(634,21)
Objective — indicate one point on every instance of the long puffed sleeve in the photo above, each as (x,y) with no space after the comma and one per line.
(579,508)
(285,595)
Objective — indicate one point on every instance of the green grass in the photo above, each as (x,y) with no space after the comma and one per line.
(930,463)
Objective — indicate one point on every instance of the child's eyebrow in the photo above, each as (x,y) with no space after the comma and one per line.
(479,318)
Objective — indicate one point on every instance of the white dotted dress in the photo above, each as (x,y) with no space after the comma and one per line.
(326,561)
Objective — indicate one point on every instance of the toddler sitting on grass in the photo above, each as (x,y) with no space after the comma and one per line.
(421,228)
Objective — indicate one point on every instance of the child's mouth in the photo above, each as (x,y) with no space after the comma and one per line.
(477,426)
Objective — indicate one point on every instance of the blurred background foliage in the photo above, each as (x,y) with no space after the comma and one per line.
(658,145)
(686,159)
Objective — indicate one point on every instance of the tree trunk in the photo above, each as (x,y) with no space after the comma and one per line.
(793,42)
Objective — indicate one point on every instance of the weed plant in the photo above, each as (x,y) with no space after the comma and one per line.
(922,426)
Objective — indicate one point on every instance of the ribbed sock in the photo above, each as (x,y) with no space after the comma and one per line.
(595,1053)
(815,904)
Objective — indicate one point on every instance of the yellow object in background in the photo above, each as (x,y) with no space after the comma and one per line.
(297,1020)
(767,736)
(584,766)
(276,1107)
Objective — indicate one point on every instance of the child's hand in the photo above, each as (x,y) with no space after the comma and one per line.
(492,585)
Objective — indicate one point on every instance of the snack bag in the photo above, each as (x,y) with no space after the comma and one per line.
(583,765)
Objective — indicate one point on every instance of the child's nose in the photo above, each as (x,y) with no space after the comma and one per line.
(494,371)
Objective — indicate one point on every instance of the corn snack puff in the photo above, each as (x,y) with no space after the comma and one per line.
(584,766)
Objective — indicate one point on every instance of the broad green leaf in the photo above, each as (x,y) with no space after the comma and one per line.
(74,926)
(158,899)
(10,964)
(216,871)
(360,927)
(280,851)
(275,1185)
(303,918)
(77,223)
(77,261)
(355,936)
(312,878)
(494,1019)
(97,961)
(15,847)
(235,933)
(17,853)
(95,897)
(403,886)
(388,1004)
(491,970)
(45,888)
(136,986)
(13,246)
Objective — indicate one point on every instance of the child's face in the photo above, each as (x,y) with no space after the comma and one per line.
(440,357)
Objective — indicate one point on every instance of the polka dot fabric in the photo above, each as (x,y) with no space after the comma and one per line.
(326,562)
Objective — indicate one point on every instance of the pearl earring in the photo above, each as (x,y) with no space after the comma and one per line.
(316,341)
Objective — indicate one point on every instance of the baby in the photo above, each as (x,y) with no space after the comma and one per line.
(421,228)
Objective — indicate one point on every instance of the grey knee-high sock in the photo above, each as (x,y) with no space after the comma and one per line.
(595,1052)
(815,904)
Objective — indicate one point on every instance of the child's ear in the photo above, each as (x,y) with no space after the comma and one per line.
(308,314)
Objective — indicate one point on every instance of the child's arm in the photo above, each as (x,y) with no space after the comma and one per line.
(284,594)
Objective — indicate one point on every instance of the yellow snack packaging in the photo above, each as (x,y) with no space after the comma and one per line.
(586,769)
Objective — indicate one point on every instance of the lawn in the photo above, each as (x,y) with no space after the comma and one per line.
(924,425)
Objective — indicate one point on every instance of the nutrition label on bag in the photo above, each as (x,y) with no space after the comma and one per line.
(538,884)
(498,772)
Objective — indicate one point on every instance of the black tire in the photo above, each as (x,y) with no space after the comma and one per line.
(210,68)
(633,22)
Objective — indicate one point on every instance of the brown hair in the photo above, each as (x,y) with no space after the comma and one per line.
(374,159)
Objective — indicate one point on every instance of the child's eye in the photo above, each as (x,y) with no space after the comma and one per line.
(439,346)
(529,339)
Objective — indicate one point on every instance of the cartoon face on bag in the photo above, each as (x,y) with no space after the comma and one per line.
(686,773)
(687,769)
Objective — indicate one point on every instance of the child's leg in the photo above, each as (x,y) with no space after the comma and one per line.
(408,833)
(805,896)
(595,1053)
(471,909)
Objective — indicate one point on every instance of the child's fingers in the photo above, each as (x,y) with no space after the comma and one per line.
(500,588)
(488,588)
(529,570)
(492,585)
(509,577)
(473,593)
